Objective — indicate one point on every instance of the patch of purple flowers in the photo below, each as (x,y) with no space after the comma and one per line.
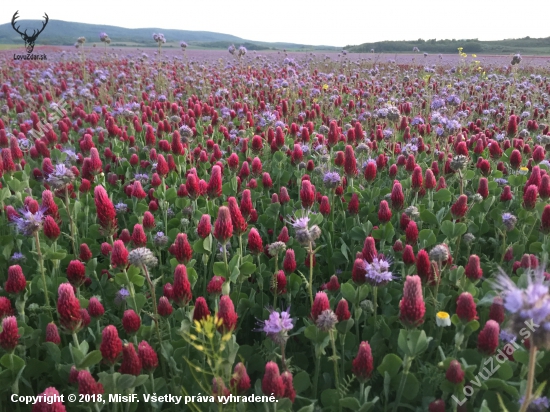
(277,326)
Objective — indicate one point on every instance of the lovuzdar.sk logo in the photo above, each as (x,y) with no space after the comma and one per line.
(29,39)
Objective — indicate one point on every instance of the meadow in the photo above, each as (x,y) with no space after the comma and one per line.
(273,231)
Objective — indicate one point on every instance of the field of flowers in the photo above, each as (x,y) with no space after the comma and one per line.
(330,233)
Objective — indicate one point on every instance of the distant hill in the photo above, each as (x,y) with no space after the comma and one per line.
(64,33)
(526,45)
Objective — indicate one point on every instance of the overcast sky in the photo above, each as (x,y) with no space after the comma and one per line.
(320,22)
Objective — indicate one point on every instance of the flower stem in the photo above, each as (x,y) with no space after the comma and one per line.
(406,366)
(75,340)
(334,359)
(131,290)
(530,231)
(310,285)
(457,251)
(283,358)
(71,224)
(438,341)
(260,281)
(224,251)
(152,380)
(205,275)
(530,378)
(241,244)
(156,319)
(316,376)
(42,274)
(343,343)
(375,304)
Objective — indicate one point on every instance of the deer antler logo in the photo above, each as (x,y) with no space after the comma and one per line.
(29,40)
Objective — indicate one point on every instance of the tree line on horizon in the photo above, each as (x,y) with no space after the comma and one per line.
(469,46)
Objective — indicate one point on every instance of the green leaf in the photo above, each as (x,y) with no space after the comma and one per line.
(344,250)
(329,397)
(427,237)
(57,255)
(521,356)
(505,371)
(233,263)
(367,406)
(53,351)
(460,229)
(313,333)
(120,278)
(141,208)
(171,194)
(247,268)
(535,247)
(348,292)
(140,380)
(108,380)
(389,232)
(15,185)
(428,217)
(350,403)
(76,353)
(471,327)
(493,383)
(378,234)
(301,381)
(84,346)
(487,203)
(140,302)
(411,386)
(125,382)
(4,194)
(453,230)
(92,358)
(138,280)
(12,362)
(207,243)
(308,408)
(192,276)
(358,234)
(220,269)
(273,210)
(278,156)
(295,282)
(501,404)
(443,195)
(391,364)
(35,368)
(198,247)
(227,190)
(234,275)
(345,326)
(413,342)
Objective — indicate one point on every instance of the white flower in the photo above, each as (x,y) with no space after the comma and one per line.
(442,319)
